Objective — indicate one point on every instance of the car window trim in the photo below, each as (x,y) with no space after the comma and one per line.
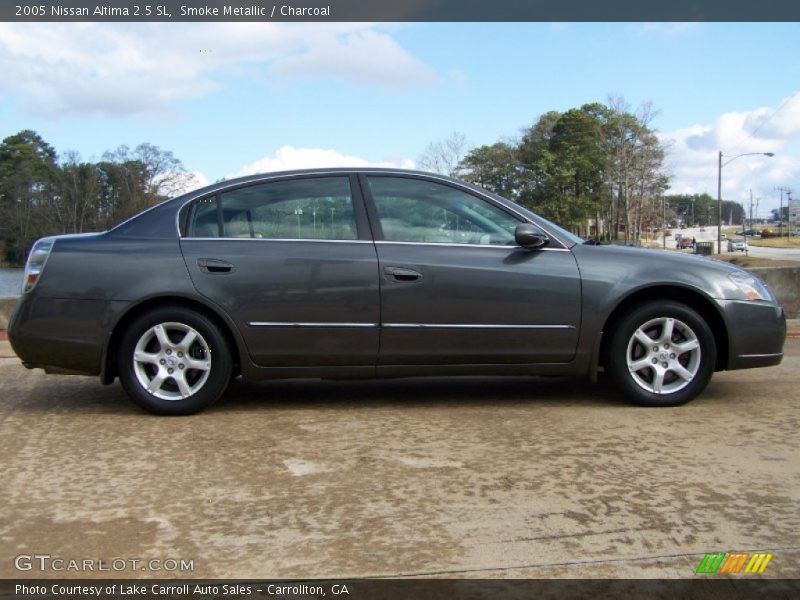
(360,175)
(457,245)
(363,229)
(377,229)
(233,239)
(190,216)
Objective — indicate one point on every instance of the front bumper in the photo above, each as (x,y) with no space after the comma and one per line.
(756,333)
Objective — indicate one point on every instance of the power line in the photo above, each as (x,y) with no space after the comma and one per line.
(752,134)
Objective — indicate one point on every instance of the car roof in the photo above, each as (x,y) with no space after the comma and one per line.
(146,222)
(322,171)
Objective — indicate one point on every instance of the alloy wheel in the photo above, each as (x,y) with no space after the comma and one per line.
(172,361)
(663,355)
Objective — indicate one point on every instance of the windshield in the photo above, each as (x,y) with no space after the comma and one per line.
(570,239)
(566,235)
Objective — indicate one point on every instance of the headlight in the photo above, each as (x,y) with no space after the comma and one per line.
(751,286)
(35,264)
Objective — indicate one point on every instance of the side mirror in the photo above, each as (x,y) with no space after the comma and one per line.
(530,237)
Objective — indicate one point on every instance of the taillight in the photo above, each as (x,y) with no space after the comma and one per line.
(35,265)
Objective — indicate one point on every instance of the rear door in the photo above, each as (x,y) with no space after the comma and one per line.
(293,263)
(455,287)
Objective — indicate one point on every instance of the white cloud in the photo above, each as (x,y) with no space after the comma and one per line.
(288,157)
(363,57)
(666,30)
(134,68)
(692,157)
(195,180)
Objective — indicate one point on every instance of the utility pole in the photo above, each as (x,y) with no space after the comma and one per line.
(719,205)
(720,164)
(788,191)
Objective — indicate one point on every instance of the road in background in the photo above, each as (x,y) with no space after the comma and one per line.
(700,234)
(774,253)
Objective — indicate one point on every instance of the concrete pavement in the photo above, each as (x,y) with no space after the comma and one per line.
(513,477)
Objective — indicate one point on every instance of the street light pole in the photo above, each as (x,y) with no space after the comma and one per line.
(719,205)
(719,189)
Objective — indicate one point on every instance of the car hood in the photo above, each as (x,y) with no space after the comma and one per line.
(664,257)
(645,266)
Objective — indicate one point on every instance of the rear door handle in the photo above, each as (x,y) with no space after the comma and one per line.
(214,265)
(402,274)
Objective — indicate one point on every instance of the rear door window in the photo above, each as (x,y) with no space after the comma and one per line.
(315,208)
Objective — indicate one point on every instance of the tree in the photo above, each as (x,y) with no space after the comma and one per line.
(444,156)
(494,167)
(135,180)
(635,174)
(701,209)
(75,201)
(564,161)
(781,215)
(27,174)
(40,197)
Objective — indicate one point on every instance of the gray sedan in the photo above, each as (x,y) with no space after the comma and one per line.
(343,273)
(737,245)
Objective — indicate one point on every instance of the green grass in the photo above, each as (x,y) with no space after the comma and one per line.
(776,242)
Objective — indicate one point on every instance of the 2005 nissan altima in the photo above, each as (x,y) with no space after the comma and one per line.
(349,273)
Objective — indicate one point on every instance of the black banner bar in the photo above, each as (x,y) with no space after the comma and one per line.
(701,587)
(399,10)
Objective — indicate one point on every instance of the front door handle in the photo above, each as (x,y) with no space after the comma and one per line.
(214,265)
(402,274)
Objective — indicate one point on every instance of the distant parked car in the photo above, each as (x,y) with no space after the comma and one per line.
(737,246)
(746,232)
(684,243)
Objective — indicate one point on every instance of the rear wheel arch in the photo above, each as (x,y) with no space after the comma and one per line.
(691,298)
(109,367)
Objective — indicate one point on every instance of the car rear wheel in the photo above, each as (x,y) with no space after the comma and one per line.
(662,354)
(174,361)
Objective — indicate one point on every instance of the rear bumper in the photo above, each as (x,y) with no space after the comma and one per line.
(756,333)
(59,335)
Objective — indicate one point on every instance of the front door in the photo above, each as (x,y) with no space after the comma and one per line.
(455,287)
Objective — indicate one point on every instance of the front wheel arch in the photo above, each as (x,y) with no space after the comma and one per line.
(662,354)
(693,299)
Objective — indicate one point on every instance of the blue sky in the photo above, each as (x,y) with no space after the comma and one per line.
(265,96)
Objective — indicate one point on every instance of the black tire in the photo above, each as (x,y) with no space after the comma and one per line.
(684,372)
(184,390)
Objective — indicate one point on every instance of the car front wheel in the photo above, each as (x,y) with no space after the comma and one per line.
(174,361)
(662,354)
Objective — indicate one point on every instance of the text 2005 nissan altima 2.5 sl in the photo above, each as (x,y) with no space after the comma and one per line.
(349,273)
